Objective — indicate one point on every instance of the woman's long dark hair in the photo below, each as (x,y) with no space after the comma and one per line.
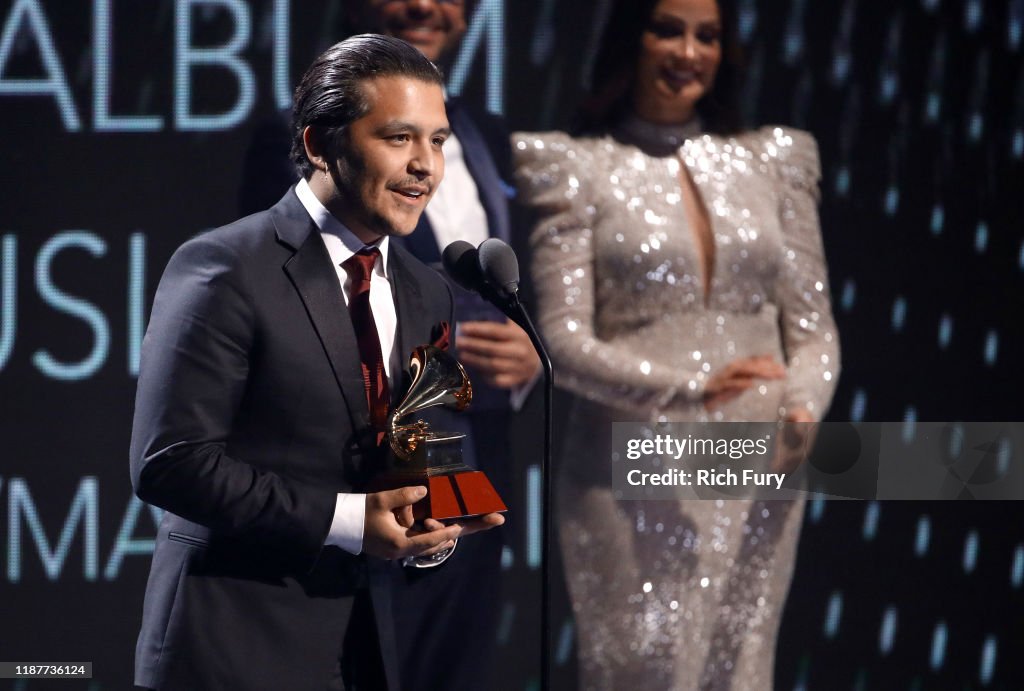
(614,71)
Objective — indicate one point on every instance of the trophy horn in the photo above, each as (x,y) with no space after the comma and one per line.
(437,379)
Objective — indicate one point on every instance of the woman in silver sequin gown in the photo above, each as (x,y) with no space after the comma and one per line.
(680,276)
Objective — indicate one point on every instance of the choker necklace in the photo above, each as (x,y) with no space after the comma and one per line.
(658,140)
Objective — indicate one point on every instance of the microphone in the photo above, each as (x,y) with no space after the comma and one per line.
(500,267)
(462,263)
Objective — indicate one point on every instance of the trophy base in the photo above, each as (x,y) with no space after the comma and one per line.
(450,493)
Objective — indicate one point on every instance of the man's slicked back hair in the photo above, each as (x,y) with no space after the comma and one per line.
(330,95)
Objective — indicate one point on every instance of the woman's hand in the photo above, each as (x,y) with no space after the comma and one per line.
(738,376)
(796,441)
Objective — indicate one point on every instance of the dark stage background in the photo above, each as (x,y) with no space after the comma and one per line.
(124,123)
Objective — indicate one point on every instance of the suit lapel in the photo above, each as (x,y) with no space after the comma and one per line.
(316,282)
(481,166)
(410,308)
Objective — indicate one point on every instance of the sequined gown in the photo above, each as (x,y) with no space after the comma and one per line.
(675,594)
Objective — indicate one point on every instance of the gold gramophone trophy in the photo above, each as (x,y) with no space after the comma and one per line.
(422,456)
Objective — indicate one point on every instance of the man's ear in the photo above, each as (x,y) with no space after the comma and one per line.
(313,142)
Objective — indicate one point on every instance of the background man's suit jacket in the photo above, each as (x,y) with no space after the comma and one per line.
(250,416)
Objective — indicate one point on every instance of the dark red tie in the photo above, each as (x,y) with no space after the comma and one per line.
(359,268)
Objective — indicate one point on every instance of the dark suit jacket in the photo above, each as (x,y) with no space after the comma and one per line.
(250,416)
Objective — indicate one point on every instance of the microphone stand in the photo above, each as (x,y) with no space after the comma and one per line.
(522,318)
(496,279)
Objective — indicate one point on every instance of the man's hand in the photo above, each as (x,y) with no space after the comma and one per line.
(500,351)
(468,526)
(388,530)
(738,376)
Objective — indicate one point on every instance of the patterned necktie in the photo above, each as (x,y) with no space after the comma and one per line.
(359,268)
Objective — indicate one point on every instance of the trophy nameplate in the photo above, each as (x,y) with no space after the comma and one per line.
(423,456)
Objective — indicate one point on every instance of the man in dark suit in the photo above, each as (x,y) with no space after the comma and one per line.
(274,347)
(472,205)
